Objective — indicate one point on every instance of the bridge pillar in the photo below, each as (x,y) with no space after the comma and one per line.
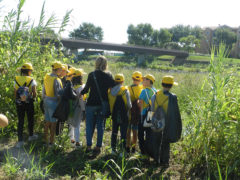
(141,60)
(75,52)
(179,60)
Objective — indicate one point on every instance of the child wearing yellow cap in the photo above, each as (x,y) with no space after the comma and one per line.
(78,107)
(135,115)
(145,101)
(25,92)
(51,88)
(173,124)
(120,104)
(63,77)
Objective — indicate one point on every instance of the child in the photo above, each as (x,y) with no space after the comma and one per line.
(78,107)
(63,76)
(52,87)
(135,116)
(25,92)
(173,119)
(145,101)
(120,104)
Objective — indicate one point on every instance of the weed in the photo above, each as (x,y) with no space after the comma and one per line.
(12,165)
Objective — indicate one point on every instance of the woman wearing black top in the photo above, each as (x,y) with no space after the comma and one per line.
(95,112)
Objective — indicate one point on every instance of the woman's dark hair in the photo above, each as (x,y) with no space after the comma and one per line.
(167,85)
(77,80)
(25,71)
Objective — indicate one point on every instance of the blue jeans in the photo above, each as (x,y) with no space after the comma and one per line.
(94,117)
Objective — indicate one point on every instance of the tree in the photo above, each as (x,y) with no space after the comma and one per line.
(164,37)
(155,39)
(179,31)
(140,35)
(189,43)
(197,32)
(225,35)
(87,31)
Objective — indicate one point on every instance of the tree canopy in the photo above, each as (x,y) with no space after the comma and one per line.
(225,35)
(87,31)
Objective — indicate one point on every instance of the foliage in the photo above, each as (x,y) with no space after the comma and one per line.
(224,35)
(12,165)
(213,129)
(120,171)
(164,37)
(140,35)
(87,31)
(190,43)
(20,43)
(180,31)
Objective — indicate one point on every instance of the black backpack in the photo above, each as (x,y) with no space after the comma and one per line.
(135,111)
(119,113)
(22,94)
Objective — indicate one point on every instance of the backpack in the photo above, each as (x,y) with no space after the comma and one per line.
(22,93)
(135,112)
(119,113)
(158,118)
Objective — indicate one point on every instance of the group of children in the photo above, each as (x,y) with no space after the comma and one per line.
(128,104)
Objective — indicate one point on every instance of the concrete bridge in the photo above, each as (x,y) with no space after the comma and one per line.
(74,44)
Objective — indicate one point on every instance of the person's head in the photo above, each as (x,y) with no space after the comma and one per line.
(26,69)
(168,82)
(78,77)
(119,78)
(137,77)
(148,80)
(57,68)
(71,73)
(64,70)
(101,63)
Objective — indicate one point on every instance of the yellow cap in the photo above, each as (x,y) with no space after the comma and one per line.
(119,78)
(169,80)
(150,77)
(137,75)
(57,65)
(27,66)
(79,72)
(65,67)
(71,71)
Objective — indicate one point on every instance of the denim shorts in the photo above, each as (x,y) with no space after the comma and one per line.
(49,108)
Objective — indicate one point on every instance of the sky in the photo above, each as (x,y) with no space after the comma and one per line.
(115,16)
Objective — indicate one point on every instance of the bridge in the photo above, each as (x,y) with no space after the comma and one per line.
(74,44)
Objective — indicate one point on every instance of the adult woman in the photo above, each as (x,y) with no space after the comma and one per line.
(99,81)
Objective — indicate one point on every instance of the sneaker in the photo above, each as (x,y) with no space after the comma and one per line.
(78,145)
(128,149)
(96,151)
(20,144)
(72,143)
(33,137)
(88,150)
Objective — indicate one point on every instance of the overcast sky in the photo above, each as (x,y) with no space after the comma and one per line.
(115,16)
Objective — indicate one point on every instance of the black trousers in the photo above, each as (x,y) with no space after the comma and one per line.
(59,128)
(123,130)
(22,109)
(143,133)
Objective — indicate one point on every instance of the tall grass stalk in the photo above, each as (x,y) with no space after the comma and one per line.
(121,170)
(214,133)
